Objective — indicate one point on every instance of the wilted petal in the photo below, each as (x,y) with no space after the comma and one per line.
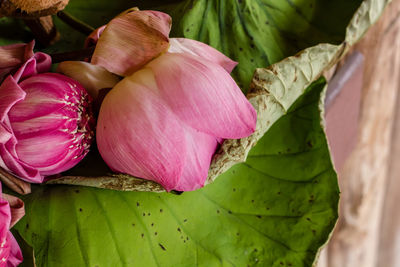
(12,56)
(91,77)
(138,134)
(131,40)
(196,48)
(204,95)
(16,207)
(200,150)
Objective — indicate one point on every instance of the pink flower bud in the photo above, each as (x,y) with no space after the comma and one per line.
(46,124)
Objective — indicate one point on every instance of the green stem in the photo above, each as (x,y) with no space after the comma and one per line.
(75,23)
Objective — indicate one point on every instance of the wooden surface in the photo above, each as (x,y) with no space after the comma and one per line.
(368,231)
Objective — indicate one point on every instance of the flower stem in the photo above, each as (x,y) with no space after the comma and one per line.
(72,55)
(75,23)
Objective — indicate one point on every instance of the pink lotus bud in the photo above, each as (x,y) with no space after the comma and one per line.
(46,124)
(164,122)
(11,210)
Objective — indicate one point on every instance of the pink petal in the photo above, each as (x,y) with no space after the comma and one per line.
(12,56)
(9,249)
(196,48)
(10,94)
(131,40)
(203,95)
(137,133)
(15,256)
(200,150)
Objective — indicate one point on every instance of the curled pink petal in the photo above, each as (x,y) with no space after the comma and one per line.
(138,134)
(12,56)
(17,208)
(196,48)
(203,95)
(131,40)
(91,40)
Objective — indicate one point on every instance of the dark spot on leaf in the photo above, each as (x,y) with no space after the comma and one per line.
(155,233)
(137,204)
(187,238)
(185,220)
(148,214)
(241,49)
(184,241)
(281,263)
(308,219)
(279,193)
(217,211)
(255,250)
(252,45)
(289,264)
(77,191)
(288,150)
(142,235)
(230,212)
(309,142)
(179,229)
(161,210)
(267,22)
(311,200)
(144,214)
(234,189)
(252,201)
(187,30)
(237,234)
(133,224)
(161,246)
(152,224)
(251,60)
(313,231)
(27,226)
(259,216)
(80,209)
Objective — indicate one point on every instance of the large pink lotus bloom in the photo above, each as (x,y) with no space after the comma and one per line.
(11,210)
(46,125)
(164,120)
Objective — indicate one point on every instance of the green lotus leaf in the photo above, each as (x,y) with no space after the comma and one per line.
(278,206)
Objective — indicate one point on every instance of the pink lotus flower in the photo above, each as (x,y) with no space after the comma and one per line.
(164,120)
(45,121)
(11,210)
